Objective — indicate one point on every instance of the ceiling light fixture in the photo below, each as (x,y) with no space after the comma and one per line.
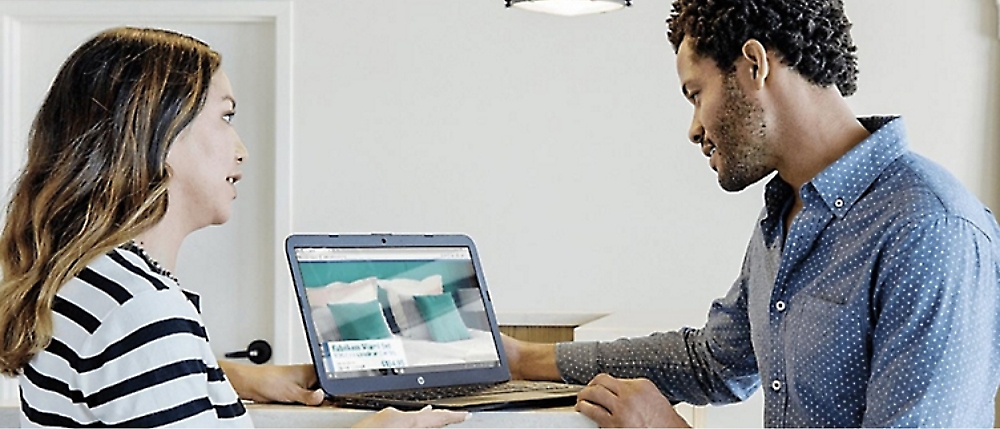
(570,7)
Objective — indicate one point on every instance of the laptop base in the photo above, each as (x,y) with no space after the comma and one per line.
(513,394)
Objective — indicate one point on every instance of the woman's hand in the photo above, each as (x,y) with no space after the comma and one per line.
(425,418)
(274,383)
(292,383)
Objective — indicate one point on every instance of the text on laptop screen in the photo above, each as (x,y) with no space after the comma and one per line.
(381,311)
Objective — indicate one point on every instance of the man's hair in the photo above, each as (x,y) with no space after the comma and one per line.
(811,36)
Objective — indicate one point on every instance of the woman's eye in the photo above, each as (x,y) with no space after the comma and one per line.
(228,117)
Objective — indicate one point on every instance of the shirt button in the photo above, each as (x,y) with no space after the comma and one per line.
(776,385)
(839,203)
(780,305)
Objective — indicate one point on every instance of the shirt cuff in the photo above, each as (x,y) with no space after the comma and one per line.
(577,361)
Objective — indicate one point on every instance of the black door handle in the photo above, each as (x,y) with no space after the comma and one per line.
(259,351)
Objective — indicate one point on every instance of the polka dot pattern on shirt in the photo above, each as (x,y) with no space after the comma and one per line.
(879,308)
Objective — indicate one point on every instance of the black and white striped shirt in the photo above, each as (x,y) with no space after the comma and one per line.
(129,349)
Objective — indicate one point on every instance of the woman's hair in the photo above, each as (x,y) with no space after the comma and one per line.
(811,36)
(96,174)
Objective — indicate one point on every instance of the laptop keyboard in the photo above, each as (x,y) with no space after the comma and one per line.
(432,393)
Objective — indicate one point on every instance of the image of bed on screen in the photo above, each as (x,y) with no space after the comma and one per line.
(376,317)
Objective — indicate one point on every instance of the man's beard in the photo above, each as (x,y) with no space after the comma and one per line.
(742,134)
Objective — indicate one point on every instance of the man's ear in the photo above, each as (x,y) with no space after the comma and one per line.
(757,66)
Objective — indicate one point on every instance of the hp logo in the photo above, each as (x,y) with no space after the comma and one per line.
(420,381)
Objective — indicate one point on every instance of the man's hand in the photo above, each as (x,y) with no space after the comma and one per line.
(274,383)
(425,418)
(530,361)
(621,403)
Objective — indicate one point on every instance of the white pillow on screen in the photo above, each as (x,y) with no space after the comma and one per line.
(399,294)
(358,291)
(326,327)
(432,285)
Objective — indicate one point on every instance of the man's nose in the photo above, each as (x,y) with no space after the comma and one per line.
(696,133)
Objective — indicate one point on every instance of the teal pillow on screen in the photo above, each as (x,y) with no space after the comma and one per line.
(442,317)
(359,320)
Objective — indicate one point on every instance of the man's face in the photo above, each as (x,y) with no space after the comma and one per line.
(727,124)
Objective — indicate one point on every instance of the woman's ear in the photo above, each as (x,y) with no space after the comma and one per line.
(757,66)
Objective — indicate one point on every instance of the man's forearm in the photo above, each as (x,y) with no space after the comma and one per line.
(534,361)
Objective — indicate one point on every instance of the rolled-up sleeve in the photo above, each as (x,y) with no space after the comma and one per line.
(714,364)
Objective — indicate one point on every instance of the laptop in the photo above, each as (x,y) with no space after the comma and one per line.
(406,321)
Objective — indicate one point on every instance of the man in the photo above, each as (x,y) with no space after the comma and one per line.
(869,291)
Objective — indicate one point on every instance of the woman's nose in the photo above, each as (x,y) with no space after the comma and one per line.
(241,152)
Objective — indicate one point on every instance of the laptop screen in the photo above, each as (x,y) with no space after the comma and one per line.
(384,311)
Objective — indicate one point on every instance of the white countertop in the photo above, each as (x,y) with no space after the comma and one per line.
(589,326)
(300,416)
(314,417)
(619,325)
(548,319)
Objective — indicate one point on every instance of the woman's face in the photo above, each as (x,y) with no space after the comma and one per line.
(205,160)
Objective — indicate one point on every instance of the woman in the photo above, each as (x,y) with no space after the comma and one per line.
(131,151)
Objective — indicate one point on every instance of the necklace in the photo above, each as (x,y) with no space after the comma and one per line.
(134,247)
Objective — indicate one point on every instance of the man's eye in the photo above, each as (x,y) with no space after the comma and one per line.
(693,98)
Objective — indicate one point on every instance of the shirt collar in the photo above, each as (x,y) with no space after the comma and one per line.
(842,183)
(777,193)
(848,177)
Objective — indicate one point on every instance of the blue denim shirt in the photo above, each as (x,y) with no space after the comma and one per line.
(880,308)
